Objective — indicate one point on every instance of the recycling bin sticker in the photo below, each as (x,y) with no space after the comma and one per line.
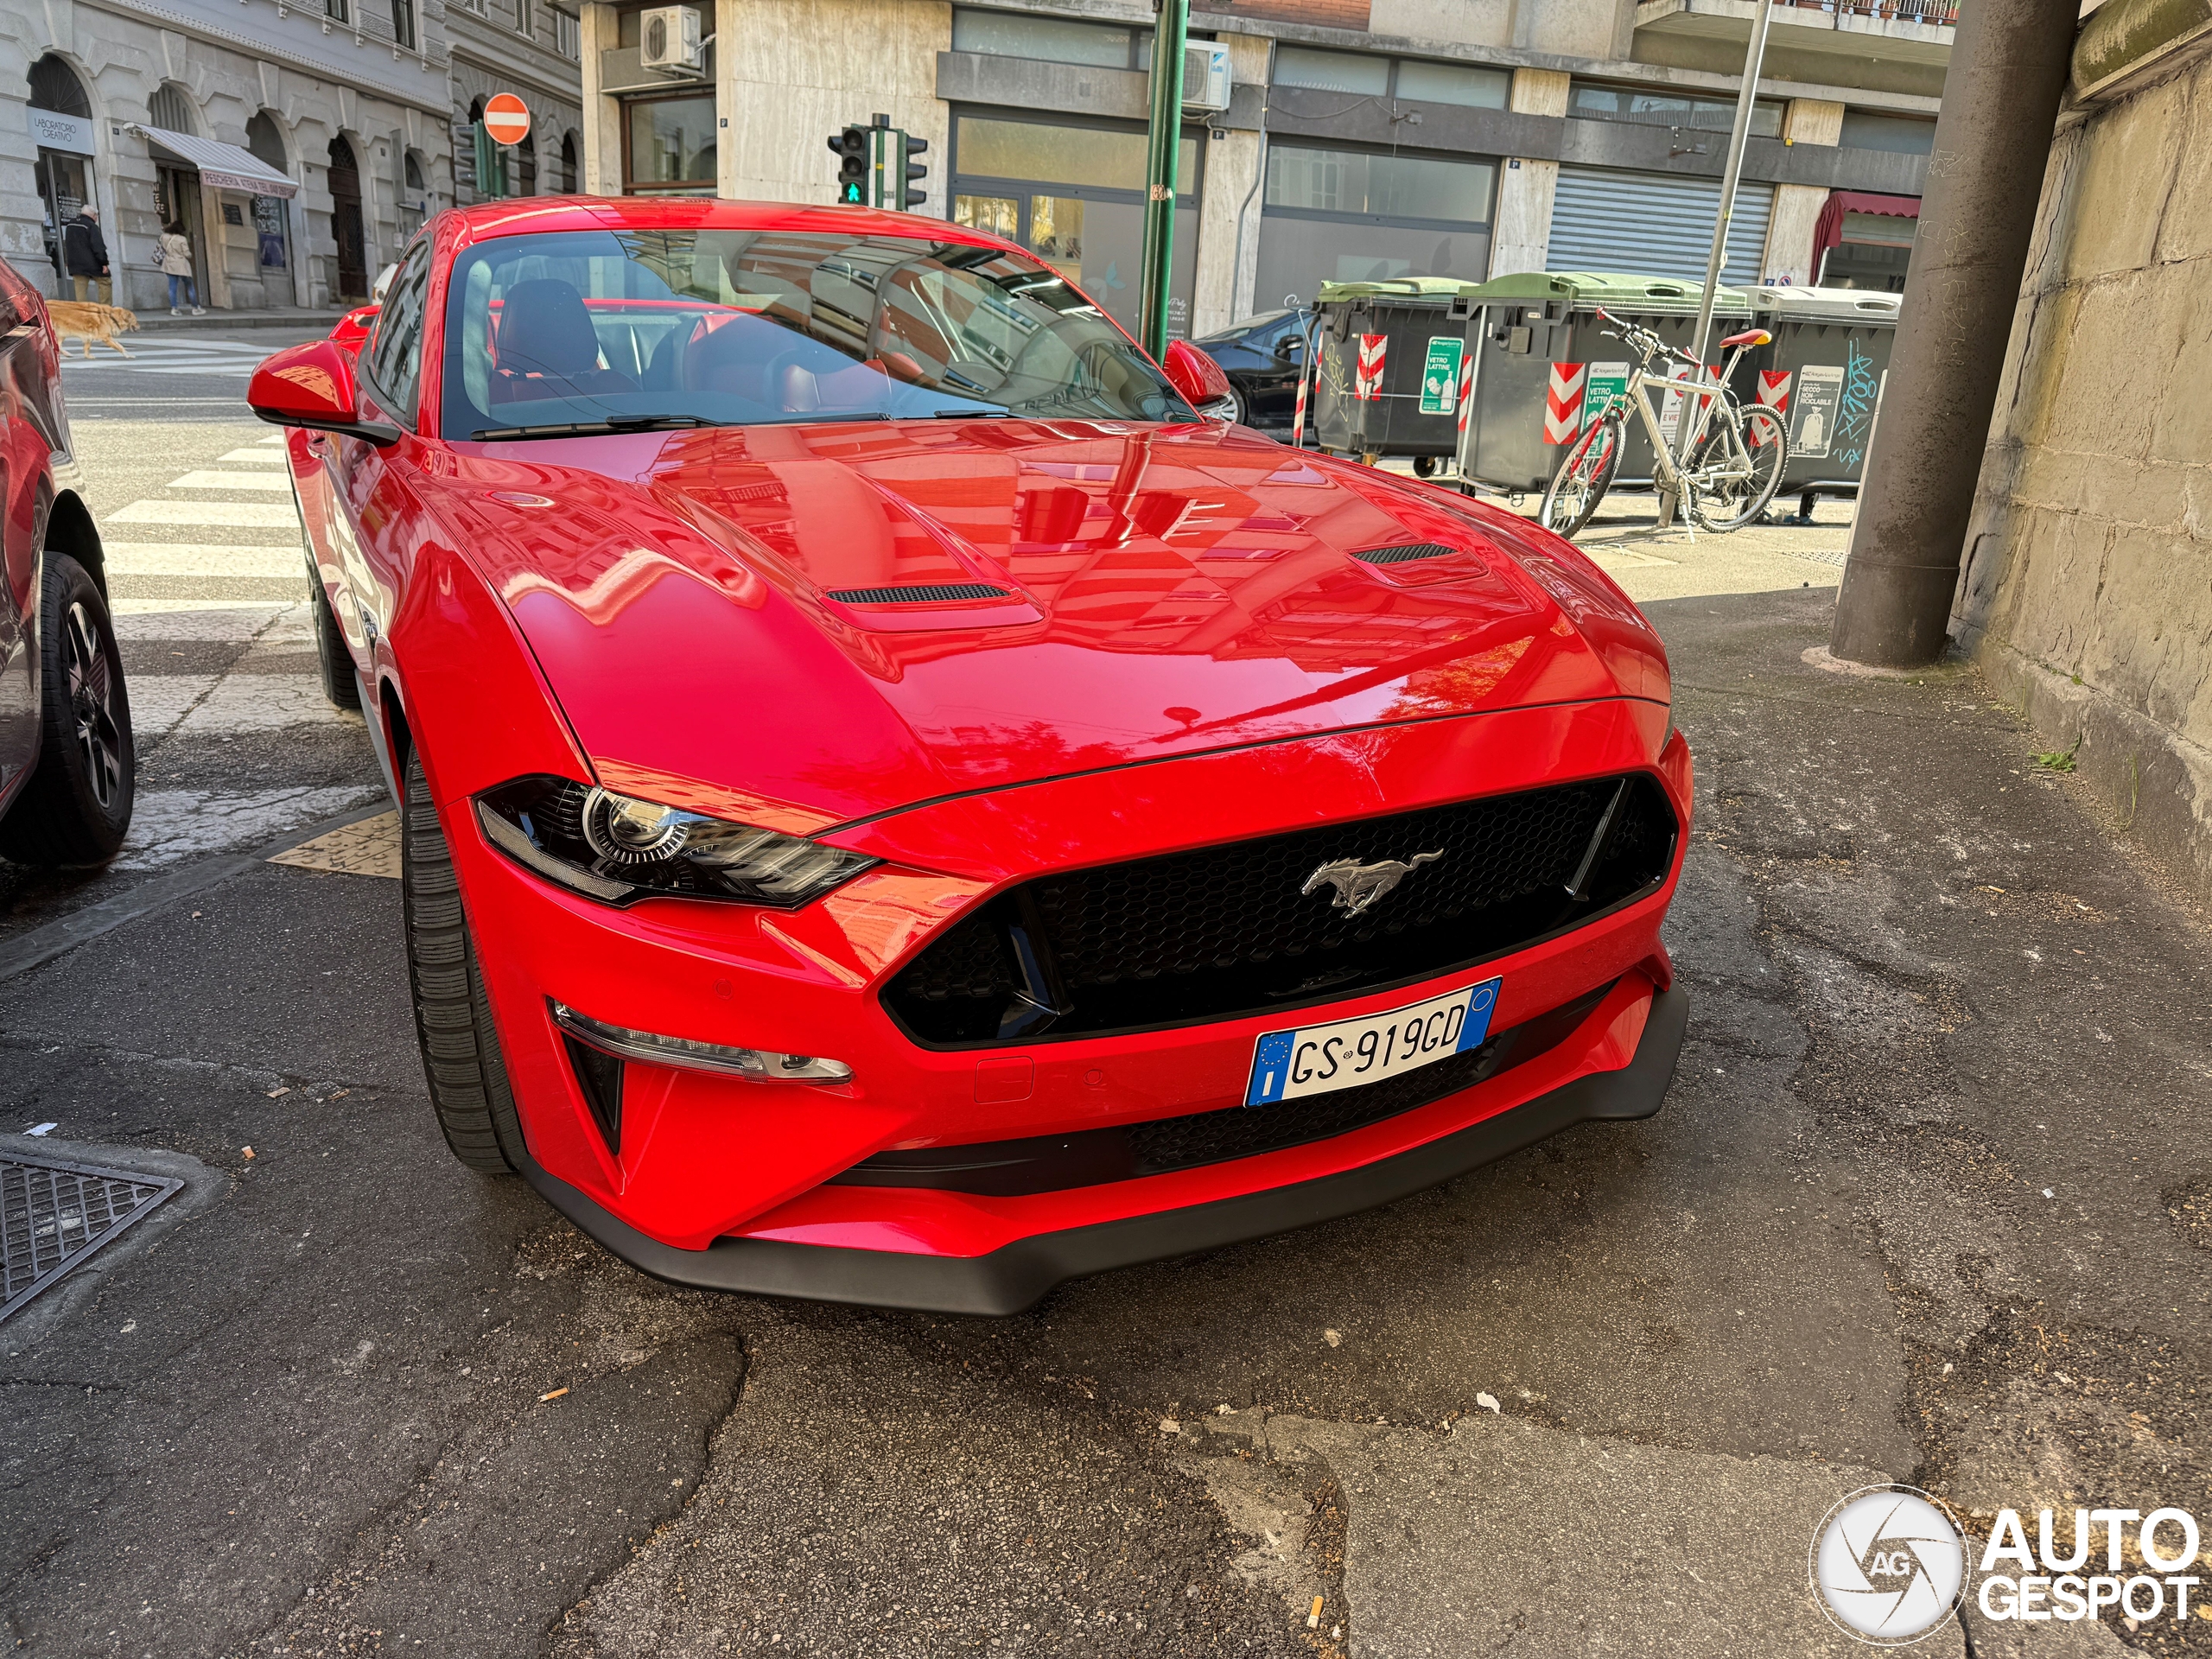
(1813,406)
(1439,375)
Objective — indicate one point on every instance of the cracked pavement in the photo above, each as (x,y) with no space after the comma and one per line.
(1927,1202)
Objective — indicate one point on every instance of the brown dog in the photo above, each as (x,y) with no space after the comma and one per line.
(90,322)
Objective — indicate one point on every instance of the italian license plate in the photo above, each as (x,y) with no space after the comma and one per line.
(1344,1053)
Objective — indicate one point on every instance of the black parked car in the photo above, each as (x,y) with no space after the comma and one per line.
(66,767)
(1263,357)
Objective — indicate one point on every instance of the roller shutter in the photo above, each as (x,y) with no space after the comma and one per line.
(1654,224)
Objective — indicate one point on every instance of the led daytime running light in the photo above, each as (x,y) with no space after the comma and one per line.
(760,1065)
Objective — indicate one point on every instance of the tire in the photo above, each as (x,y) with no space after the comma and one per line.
(1240,407)
(1736,501)
(76,810)
(453,1021)
(1586,472)
(335,662)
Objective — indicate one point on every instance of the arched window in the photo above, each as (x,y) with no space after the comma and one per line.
(526,165)
(491,172)
(568,164)
(55,87)
(265,140)
(417,185)
(169,109)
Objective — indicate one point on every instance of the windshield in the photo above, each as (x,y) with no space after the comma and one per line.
(600,330)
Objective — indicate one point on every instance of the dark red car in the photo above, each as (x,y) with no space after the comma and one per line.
(901,808)
(66,765)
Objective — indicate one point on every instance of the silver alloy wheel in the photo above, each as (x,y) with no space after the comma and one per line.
(91,686)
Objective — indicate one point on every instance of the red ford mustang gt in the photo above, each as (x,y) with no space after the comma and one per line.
(901,808)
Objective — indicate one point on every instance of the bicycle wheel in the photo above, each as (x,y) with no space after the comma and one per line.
(1583,478)
(1734,470)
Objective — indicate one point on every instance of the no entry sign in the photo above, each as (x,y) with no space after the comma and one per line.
(506,119)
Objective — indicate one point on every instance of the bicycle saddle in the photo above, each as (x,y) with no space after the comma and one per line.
(1749,337)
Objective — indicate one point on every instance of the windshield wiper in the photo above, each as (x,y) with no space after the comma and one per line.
(587,428)
(977,413)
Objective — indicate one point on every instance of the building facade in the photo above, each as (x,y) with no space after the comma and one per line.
(292,142)
(1359,138)
(529,48)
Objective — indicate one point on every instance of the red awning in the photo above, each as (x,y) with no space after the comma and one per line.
(1827,230)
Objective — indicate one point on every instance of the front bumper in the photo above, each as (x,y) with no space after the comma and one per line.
(1016,1275)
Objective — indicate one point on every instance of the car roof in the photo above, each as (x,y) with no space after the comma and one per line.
(530,215)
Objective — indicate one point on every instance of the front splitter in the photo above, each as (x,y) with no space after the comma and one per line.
(1017,1276)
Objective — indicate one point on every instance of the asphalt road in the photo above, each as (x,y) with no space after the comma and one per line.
(1924,1204)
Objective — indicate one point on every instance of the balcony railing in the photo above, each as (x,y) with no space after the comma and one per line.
(1940,13)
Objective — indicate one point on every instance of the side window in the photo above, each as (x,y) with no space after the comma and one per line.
(396,351)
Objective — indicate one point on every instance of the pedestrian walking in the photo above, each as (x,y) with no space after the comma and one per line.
(173,252)
(84,250)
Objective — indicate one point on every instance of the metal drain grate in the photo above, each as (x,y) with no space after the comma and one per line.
(53,1215)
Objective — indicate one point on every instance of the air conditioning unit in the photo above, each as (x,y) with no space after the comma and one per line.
(1206,76)
(668,38)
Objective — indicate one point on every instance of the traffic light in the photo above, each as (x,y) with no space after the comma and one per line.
(851,148)
(910,169)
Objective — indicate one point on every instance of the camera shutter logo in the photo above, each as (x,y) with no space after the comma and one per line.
(1888,1566)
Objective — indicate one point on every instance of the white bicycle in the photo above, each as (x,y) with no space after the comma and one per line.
(1736,454)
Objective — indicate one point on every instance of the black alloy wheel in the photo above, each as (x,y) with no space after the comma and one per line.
(76,808)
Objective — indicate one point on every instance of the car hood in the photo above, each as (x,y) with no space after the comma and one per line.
(819,623)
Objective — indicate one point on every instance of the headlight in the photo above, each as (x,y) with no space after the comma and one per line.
(618,850)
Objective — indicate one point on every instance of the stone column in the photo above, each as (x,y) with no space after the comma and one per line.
(1228,213)
(1788,256)
(1521,227)
(729,22)
(601,167)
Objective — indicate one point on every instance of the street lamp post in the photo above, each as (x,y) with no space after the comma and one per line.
(1164,146)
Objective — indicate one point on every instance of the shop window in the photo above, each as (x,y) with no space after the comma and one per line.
(1348,215)
(667,147)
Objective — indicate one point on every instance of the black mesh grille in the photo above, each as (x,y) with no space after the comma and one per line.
(1225,931)
(1402,555)
(917,593)
(1090,1157)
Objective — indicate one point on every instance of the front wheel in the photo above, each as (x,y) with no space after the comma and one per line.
(1735,470)
(75,809)
(1583,478)
(453,1020)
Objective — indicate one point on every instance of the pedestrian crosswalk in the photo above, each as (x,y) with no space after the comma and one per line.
(155,355)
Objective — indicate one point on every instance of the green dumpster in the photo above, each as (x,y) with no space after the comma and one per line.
(1824,370)
(1542,367)
(1387,367)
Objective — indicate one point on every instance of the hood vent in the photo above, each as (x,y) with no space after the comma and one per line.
(1406,554)
(917,593)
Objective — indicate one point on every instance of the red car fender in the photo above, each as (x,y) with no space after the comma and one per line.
(467,688)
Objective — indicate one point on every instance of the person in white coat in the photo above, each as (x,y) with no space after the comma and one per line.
(174,253)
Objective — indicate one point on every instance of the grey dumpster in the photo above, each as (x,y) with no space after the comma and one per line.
(1416,327)
(1541,366)
(1825,368)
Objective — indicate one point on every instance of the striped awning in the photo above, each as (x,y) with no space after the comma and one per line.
(225,166)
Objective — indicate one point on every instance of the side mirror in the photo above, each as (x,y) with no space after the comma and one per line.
(1200,381)
(353,330)
(312,385)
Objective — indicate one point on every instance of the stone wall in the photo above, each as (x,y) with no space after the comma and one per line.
(2087,592)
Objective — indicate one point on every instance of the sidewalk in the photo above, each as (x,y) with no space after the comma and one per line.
(157,321)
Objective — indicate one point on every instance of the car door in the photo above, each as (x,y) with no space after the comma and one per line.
(376,518)
(24,455)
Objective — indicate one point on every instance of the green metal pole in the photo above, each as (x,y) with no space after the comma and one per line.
(1164,145)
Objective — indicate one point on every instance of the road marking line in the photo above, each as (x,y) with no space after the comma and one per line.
(204,479)
(254,452)
(226,515)
(202,559)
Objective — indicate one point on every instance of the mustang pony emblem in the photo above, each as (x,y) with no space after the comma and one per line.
(1358,886)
